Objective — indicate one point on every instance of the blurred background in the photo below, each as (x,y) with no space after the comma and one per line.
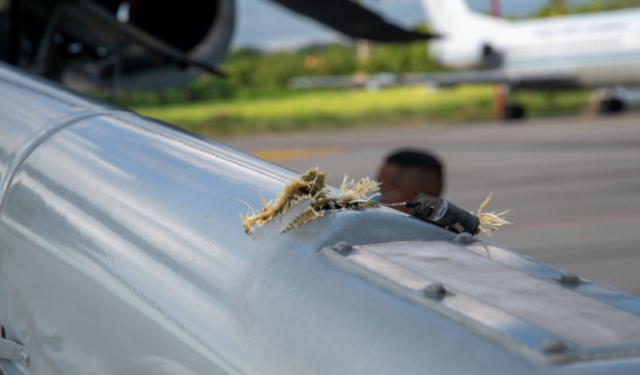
(569,175)
(272,45)
(302,95)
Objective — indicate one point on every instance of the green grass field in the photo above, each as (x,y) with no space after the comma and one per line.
(353,108)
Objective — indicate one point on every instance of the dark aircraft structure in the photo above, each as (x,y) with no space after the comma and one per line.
(122,252)
(148,44)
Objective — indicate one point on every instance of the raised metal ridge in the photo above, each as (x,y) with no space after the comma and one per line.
(499,313)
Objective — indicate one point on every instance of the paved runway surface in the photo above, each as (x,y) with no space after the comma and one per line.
(572,184)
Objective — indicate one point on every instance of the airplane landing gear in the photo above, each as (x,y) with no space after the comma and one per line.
(513,111)
(611,105)
(609,100)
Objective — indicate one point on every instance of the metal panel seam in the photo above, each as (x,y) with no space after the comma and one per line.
(585,287)
(40,137)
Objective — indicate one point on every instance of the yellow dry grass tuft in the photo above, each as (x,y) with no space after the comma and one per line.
(490,221)
(311,185)
(365,189)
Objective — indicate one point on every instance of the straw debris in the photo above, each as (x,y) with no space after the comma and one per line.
(490,221)
(311,185)
(365,189)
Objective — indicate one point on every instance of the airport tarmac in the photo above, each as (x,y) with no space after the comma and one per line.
(572,184)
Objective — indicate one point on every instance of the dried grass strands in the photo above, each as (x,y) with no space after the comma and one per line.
(310,184)
(365,189)
(490,221)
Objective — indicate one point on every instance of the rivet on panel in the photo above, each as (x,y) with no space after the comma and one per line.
(464,238)
(554,346)
(342,248)
(569,279)
(435,290)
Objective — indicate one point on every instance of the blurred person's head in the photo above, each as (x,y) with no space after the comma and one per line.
(407,173)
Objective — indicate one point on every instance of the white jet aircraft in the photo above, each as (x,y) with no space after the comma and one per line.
(599,50)
(569,52)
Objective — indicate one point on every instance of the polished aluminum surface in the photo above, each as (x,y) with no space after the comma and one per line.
(537,312)
(12,351)
(121,252)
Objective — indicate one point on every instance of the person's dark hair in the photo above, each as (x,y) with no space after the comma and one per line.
(416,158)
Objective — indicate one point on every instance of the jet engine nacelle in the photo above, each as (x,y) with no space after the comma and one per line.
(143,44)
(466,54)
(149,44)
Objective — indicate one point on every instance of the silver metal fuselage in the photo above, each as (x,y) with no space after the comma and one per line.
(121,252)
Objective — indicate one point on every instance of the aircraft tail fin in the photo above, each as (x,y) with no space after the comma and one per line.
(453,16)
